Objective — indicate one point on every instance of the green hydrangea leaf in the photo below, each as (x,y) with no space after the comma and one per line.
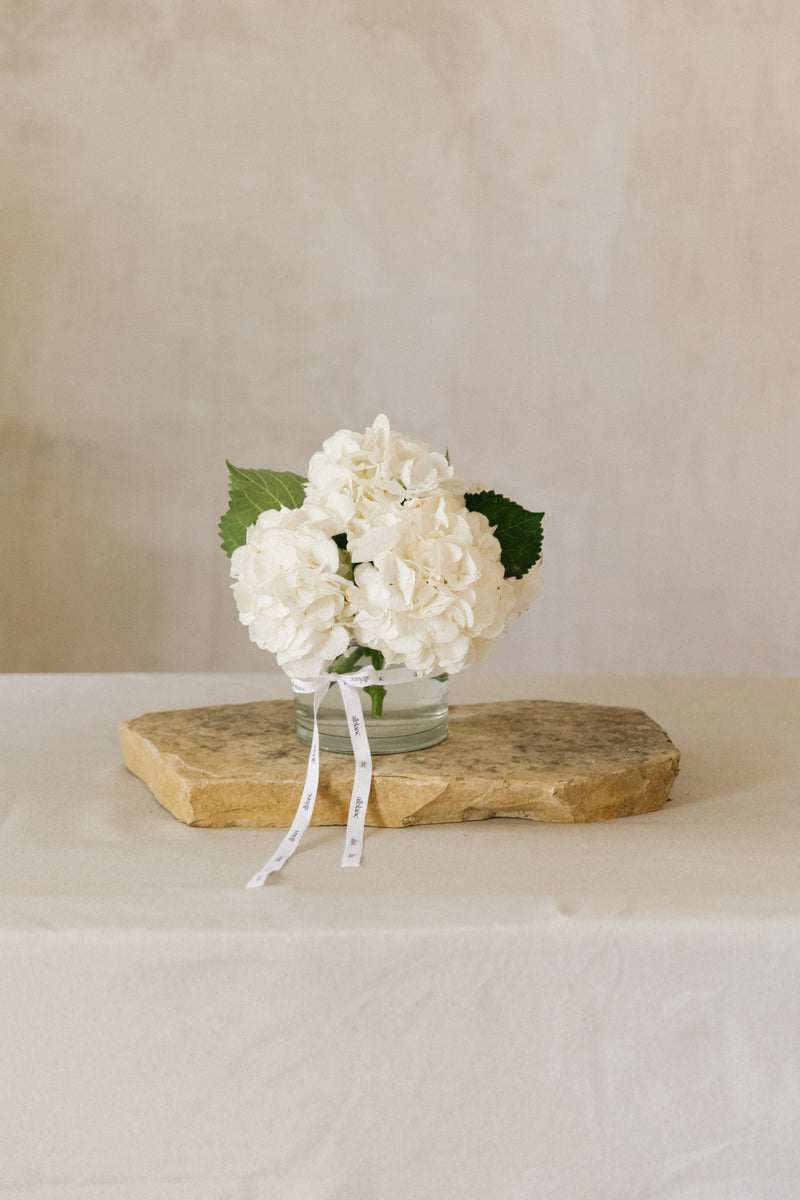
(252,491)
(518,531)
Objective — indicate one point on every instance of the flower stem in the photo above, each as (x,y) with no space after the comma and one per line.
(342,665)
(376,692)
(377,695)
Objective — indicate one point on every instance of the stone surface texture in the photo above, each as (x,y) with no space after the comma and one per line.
(241,764)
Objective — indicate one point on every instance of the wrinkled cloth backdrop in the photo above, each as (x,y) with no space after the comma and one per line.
(560,240)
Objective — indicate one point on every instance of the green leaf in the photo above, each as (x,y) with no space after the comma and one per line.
(252,491)
(518,531)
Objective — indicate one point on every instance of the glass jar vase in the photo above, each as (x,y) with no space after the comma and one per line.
(413,717)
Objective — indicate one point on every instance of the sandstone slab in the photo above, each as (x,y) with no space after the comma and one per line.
(240,764)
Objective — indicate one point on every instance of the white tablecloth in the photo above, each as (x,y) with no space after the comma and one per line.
(498,1009)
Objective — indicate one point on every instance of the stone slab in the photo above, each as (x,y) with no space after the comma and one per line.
(543,760)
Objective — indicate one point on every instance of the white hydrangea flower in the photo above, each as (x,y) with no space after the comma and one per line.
(525,591)
(421,581)
(290,589)
(356,474)
(429,588)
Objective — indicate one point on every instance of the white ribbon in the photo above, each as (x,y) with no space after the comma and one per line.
(354,838)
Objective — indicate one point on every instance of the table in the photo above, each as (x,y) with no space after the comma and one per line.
(497,1009)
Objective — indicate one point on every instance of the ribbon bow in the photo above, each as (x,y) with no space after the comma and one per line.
(354,839)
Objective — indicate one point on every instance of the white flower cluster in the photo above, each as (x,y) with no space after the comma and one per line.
(421,580)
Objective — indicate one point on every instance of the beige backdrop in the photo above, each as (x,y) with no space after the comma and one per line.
(560,238)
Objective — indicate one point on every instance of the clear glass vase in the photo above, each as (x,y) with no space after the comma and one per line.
(414,717)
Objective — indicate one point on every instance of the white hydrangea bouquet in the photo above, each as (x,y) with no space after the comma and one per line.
(381,554)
